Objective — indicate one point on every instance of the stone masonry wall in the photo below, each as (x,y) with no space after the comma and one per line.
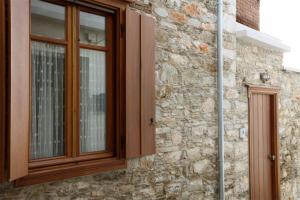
(185,165)
(251,61)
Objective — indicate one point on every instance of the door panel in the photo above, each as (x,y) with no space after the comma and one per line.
(262,131)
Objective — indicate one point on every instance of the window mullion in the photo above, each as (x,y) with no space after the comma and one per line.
(68,80)
(75,76)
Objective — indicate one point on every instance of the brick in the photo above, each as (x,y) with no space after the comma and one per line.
(248,13)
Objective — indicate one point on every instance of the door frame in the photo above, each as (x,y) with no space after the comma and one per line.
(273,92)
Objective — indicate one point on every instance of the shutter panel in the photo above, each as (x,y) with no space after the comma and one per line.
(2,91)
(19,88)
(140,86)
(147,84)
(133,86)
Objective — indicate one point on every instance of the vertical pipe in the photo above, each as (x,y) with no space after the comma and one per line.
(220,97)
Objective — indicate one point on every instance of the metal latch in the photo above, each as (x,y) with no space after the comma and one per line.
(272,157)
(152,121)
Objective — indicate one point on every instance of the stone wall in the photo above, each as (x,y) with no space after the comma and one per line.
(251,61)
(185,166)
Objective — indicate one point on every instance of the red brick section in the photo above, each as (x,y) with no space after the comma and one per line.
(248,13)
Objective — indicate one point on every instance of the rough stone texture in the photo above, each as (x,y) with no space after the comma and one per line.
(185,166)
(251,61)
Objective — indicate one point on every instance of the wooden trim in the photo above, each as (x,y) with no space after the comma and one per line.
(112,4)
(56,173)
(92,47)
(48,40)
(68,134)
(273,92)
(30,86)
(110,87)
(3,97)
(276,147)
(75,83)
(120,85)
(262,89)
(39,164)
(19,88)
(94,10)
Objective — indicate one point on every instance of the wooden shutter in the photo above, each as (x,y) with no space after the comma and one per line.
(147,85)
(2,90)
(133,86)
(140,86)
(19,88)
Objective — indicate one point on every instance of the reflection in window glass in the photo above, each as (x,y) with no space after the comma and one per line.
(47,108)
(47,19)
(92,101)
(92,29)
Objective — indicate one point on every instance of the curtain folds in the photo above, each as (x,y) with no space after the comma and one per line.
(92,101)
(47,93)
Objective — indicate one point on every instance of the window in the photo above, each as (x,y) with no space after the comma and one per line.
(82,98)
(90,64)
(48,64)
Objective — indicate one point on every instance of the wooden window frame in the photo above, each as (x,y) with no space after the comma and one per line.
(110,81)
(74,163)
(134,88)
(3,83)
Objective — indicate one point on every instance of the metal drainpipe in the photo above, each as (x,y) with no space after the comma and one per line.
(220,97)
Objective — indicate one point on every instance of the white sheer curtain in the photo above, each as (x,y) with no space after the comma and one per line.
(92,101)
(47,139)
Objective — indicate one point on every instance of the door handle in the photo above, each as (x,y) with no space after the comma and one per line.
(272,157)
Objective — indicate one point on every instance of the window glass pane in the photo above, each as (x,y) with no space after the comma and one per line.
(92,101)
(47,96)
(47,19)
(92,29)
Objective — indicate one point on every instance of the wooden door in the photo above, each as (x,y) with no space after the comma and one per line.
(264,170)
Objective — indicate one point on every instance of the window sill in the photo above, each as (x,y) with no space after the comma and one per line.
(56,173)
